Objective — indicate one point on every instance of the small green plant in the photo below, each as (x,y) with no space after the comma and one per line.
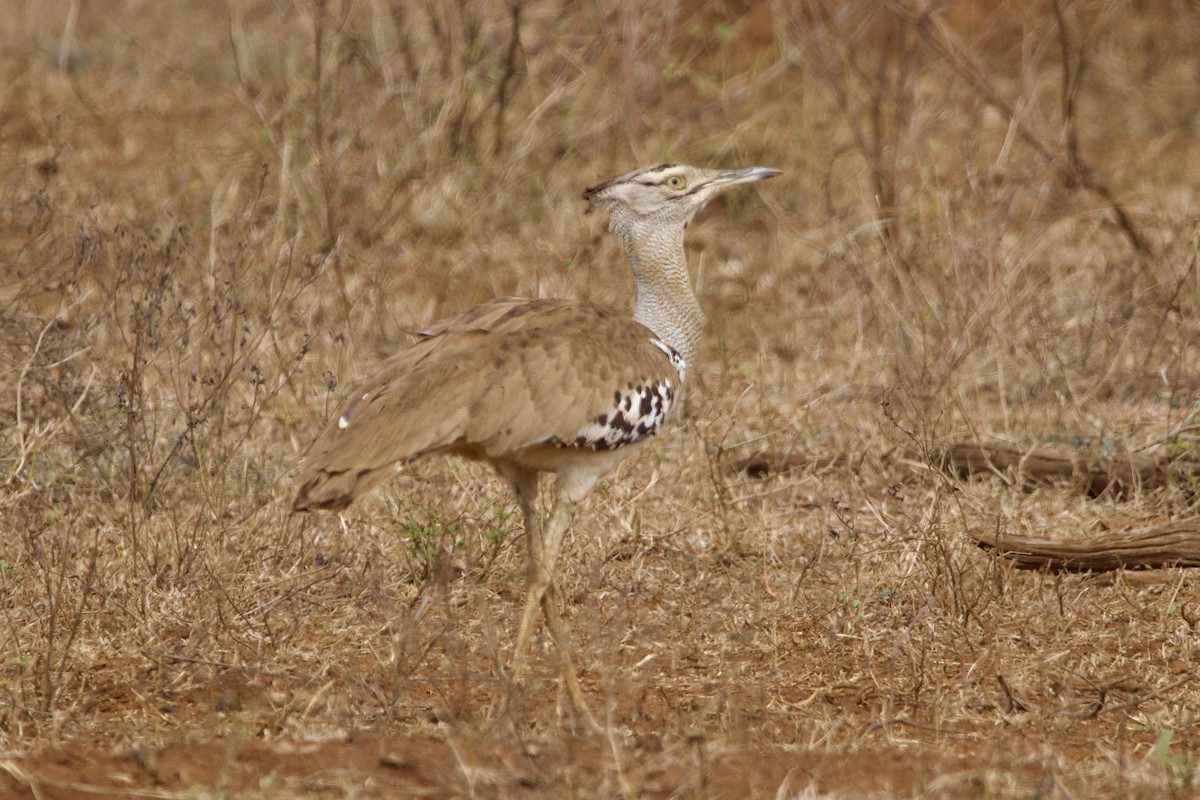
(1180,771)
(425,537)
(495,540)
(431,542)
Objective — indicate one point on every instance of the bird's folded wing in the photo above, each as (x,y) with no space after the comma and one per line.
(505,375)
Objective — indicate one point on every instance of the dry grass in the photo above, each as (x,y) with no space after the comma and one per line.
(214,217)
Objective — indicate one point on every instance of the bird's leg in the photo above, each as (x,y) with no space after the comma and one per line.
(544,542)
(551,544)
(537,581)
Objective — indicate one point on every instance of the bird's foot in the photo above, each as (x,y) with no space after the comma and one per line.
(576,705)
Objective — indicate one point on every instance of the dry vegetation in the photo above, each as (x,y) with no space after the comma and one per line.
(215,216)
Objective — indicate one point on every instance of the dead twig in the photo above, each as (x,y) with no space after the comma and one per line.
(1170,544)
(1097,474)
(1072,171)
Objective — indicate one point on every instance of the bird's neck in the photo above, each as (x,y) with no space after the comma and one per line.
(665,301)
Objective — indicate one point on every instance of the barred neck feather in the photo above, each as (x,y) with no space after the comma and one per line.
(665,301)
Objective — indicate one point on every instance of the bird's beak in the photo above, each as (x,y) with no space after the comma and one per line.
(730,177)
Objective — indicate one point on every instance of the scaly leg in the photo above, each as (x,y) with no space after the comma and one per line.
(537,581)
(551,544)
(544,544)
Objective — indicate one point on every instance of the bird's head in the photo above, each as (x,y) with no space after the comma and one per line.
(666,193)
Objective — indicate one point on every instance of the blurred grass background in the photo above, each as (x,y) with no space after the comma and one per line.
(214,217)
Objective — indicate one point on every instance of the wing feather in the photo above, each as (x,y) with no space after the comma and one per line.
(503,376)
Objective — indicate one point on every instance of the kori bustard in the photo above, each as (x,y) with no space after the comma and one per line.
(533,386)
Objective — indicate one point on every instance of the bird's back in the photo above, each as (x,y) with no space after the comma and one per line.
(538,383)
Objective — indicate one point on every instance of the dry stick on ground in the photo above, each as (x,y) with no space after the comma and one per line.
(1097,474)
(1170,544)
(1070,167)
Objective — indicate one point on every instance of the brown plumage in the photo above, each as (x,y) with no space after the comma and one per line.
(509,381)
(533,386)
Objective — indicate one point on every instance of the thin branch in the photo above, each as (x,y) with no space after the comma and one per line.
(1072,171)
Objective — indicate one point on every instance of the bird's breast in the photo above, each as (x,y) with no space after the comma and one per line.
(636,412)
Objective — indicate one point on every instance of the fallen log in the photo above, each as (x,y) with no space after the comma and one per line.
(1097,474)
(1169,544)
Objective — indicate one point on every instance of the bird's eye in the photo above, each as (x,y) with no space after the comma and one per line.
(676,182)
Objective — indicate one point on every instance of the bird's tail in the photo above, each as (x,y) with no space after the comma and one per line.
(321,490)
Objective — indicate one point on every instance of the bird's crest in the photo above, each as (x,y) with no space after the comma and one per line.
(596,194)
